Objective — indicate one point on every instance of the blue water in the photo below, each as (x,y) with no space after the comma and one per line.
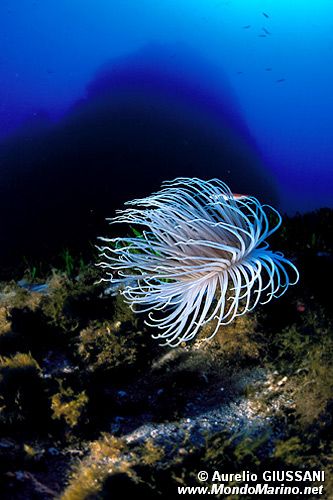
(268,62)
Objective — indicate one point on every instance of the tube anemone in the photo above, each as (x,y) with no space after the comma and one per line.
(201,256)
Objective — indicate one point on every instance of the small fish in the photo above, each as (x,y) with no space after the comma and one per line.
(266,31)
(268,69)
(280,80)
(235,196)
(238,196)
(262,36)
(239,72)
(247,27)
(265,15)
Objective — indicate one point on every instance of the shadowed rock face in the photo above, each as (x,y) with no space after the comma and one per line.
(145,119)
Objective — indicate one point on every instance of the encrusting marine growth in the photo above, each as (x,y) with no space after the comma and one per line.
(201,256)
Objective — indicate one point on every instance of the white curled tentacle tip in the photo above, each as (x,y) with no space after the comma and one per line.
(173,257)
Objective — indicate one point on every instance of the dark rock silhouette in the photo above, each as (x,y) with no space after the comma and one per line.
(144,119)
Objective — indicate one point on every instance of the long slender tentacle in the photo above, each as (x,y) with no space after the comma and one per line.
(201,256)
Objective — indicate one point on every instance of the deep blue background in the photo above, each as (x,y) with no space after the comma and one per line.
(273,93)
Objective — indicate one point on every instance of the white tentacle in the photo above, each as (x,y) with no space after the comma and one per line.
(202,256)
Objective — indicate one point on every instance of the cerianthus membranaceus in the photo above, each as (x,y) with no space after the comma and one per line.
(200,256)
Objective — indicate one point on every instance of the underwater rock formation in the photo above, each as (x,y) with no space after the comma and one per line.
(144,119)
(88,398)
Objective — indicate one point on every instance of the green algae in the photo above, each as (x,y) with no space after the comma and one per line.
(68,405)
(67,355)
